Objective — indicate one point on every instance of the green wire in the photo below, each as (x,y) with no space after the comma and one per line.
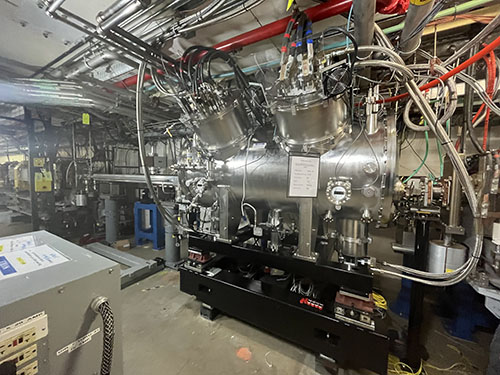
(441,163)
(423,160)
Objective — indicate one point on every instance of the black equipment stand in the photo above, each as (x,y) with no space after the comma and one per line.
(415,351)
(266,304)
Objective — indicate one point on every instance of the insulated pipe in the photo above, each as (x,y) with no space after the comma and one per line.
(417,11)
(364,22)
(458,8)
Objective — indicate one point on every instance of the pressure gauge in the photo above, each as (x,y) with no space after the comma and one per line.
(338,192)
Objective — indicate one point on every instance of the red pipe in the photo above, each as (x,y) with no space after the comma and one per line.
(486,50)
(317,13)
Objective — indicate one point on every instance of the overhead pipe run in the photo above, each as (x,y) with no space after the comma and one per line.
(121,15)
(316,13)
(115,7)
(87,65)
(48,93)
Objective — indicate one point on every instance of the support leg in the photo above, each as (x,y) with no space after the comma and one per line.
(415,350)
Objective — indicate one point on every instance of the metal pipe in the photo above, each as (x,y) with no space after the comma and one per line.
(416,13)
(91,64)
(54,6)
(364,23)
(121,15)
(115,7)
(455,201)
(481,36)
(468,109)
(75,163)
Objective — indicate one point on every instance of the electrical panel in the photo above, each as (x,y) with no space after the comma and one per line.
(47,325)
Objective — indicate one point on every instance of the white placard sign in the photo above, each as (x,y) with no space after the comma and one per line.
(17,243)
(25,261)
(303,176)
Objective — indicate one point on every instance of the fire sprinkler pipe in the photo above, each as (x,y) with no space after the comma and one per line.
(317,13)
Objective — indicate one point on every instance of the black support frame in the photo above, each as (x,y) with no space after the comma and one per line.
(357,280)
(280,311)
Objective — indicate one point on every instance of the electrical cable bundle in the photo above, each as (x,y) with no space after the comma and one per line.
(195,72)
(430,16)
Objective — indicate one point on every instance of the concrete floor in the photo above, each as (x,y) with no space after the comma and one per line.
(164,334)
(164,326)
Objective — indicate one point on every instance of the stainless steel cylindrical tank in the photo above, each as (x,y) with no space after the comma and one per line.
(310,122)
(365,166)
(353,239)
(225,133)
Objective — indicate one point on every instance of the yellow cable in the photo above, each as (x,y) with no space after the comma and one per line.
(379,301)
(447,369)
(400,368)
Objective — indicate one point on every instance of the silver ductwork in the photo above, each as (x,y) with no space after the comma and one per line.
(87,65)
(50,93)
(410,40)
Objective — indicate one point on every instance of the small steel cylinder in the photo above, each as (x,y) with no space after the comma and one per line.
(445,258)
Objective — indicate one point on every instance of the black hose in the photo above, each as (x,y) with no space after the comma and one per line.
(286,36)
(101,306)
(333,30)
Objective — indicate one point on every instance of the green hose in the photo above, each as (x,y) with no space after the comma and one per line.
(423,160)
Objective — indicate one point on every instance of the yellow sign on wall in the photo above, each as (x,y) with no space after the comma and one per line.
(39,162)
(85,118)
(43,181)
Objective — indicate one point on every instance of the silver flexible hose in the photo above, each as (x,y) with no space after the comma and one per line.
(480,37)
(437,128)
(450,110)
(140,141)
(476,86)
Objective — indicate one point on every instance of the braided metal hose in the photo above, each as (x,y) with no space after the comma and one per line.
(101,306)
